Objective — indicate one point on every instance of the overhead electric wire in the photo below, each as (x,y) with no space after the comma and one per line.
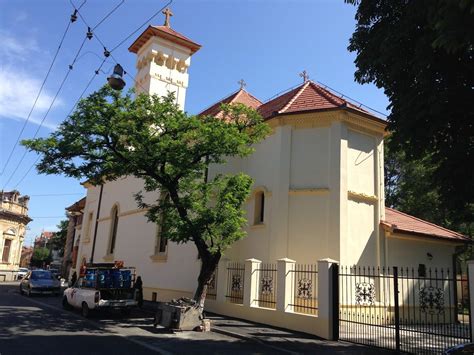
(71,66)
(39,92)
(70,112)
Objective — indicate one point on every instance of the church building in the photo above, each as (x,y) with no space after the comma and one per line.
(318,187)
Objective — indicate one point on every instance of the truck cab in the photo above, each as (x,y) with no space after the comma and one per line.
(102,287)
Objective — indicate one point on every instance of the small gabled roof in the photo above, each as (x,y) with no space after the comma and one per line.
(307,97)
(404,223)
(241,96)
(164,32)
(77,206)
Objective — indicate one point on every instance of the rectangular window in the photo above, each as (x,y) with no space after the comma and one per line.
(6,250)
(89,226)
(259,213)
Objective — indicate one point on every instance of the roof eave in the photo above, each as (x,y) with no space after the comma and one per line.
(462,240)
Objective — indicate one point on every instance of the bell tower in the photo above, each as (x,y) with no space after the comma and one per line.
(163,60)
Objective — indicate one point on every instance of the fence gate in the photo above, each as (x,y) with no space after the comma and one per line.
(407,310)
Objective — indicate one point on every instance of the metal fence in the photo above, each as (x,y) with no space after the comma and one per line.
(404,309)
(212,287)
(304,289)
(235,282)
(267,283)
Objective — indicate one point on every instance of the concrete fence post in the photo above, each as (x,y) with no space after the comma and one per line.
(470,275)
(251,282)
(326,296)
(285,284)
(222,281)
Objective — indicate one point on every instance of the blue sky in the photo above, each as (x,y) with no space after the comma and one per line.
(267,43)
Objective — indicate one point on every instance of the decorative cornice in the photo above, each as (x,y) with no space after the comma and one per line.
(309,191)
(362,197)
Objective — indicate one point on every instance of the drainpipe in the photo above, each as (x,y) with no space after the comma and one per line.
(96,223)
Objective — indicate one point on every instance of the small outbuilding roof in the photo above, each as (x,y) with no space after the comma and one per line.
(241,96)
(404,223)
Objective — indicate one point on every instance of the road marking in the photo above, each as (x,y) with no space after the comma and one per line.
(100,327)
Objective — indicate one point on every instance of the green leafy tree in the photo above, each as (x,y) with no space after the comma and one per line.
(421,54)
(41,257)
(58,240)
(110,136)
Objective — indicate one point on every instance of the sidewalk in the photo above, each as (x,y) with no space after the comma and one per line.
(288,341)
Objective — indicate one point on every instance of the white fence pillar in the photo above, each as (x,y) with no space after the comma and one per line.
(251,282)
(285,282)
(470,275)
(221,291)
(326,295)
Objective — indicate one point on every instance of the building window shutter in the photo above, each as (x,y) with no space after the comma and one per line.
(6,250)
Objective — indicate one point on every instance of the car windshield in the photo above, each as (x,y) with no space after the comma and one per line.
(23,270)
(41,275)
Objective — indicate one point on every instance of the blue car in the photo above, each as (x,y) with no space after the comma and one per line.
(40,282)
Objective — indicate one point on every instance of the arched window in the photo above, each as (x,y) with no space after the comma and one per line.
(113,228)
(259,215)
(161,242)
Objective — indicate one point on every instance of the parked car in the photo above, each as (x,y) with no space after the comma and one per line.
(461,349)
(103,286)
(40,282)
(21,273)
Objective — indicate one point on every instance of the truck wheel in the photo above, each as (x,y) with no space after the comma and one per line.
(66,304)
(85,310)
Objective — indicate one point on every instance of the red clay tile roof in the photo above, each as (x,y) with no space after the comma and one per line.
(166,33)
(241,96)
(307,97)
(404,223)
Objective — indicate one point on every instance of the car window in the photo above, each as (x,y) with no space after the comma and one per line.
(41,275)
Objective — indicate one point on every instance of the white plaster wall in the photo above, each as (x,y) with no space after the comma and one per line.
(359,248)
(412,252)
(361,163)
(308,228)
(310,158)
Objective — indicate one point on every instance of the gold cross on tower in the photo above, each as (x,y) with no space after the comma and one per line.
(242,83)
(304,75)
(167,14)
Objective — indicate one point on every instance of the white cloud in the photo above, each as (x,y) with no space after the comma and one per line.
(21,83)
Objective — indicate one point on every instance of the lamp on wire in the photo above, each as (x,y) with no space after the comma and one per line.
(116,81)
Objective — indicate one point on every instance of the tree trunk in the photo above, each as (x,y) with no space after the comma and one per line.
(208,267)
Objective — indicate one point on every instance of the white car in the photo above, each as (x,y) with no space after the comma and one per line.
(89,298)
(21,273)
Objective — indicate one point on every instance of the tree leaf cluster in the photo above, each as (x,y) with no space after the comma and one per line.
(421,54)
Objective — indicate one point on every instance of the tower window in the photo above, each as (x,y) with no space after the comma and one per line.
(113,229)
(259,207)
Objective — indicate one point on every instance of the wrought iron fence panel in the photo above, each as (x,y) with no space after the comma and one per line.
(267,283)
(304,288)
(235,282)
(408,310)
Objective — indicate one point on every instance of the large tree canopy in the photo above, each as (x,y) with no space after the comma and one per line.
(421,54)
(110,136)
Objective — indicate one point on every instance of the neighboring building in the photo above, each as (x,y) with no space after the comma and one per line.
(26,254)
(318,188)
(13,221)
(43,240)
(75,214)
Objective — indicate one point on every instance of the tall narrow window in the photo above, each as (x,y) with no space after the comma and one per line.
(259,207)
(113,229)
(89,226)
(161,241)
(6,250)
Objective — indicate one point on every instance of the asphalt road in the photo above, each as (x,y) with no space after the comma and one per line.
(27,326)
(39,325)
